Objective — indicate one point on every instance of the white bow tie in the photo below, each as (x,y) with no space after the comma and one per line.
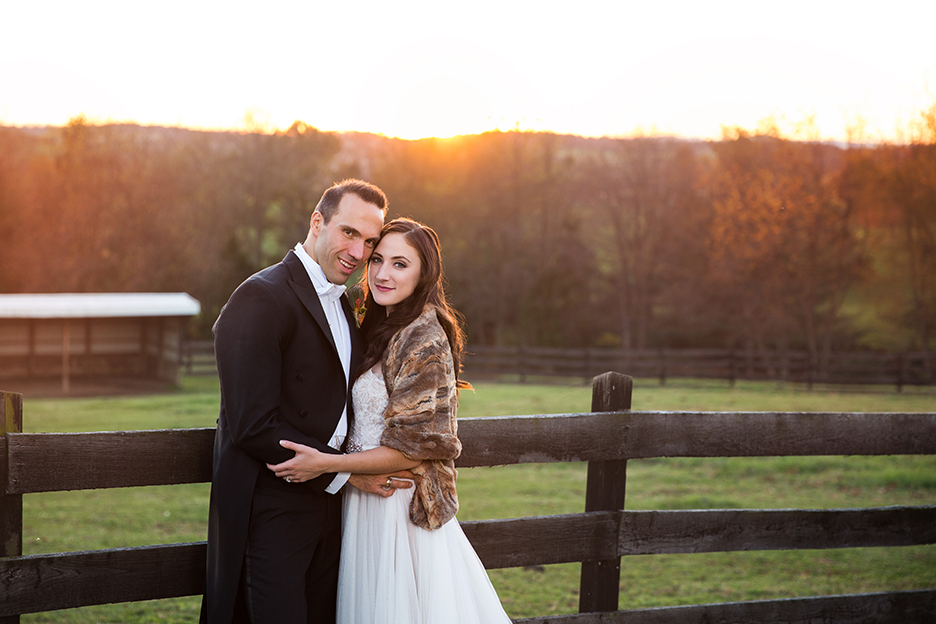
(330,293)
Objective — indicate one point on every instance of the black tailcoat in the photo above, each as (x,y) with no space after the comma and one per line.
(281,379)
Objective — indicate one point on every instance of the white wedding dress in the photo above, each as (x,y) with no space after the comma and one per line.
(391,571)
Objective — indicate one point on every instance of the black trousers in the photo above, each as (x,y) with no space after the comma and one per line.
(290,571)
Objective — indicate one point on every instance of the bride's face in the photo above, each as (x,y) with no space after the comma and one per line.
(394,270)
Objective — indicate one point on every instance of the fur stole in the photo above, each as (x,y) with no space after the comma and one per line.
(420,420)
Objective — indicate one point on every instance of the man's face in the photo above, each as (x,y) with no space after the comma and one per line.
(345,243)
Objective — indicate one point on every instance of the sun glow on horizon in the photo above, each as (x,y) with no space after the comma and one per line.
(441,107)
(432,87)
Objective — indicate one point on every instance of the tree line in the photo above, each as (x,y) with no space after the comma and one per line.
(761,240)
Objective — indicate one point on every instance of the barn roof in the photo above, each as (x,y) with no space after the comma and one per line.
(97,305)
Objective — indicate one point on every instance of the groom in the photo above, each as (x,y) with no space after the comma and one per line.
(287,347)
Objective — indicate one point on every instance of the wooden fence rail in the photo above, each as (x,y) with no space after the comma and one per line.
(605,438)
(896,369)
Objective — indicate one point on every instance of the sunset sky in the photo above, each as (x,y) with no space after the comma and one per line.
(415,69)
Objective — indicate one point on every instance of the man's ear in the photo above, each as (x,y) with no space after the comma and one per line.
(316,223)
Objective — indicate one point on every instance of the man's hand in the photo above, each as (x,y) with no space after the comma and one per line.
(382,485)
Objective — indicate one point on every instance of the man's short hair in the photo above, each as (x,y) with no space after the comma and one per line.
(328,205)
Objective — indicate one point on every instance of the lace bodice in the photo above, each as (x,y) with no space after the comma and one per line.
(370,400)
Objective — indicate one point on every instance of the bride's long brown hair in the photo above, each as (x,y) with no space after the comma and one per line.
(378,328)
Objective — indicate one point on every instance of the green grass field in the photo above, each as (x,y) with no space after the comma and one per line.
(66,521)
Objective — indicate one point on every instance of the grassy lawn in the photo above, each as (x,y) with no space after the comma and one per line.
(65,521)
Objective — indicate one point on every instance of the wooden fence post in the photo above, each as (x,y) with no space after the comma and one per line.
(600,582)
(11,505)
(731,368)
(521,363)
(901,368)
(586,364)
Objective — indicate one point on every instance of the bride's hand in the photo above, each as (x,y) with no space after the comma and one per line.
(308,463)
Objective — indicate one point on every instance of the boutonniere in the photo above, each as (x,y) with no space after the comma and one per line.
(356,297)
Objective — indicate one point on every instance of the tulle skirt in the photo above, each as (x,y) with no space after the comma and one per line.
(393,572)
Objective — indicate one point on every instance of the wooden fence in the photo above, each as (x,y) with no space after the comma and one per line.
(198,358)
(896,369)
(605,438)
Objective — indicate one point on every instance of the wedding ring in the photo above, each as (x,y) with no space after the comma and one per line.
(287,480)
(389,481)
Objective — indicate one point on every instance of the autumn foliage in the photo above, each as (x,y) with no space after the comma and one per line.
(757,240)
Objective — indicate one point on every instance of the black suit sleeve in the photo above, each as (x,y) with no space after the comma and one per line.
(250,336)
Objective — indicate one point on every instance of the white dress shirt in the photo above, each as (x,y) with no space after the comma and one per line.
(338,323)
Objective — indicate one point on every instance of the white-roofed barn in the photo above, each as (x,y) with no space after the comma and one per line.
(100,335)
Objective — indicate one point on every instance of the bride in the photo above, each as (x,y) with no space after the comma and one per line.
(404,558)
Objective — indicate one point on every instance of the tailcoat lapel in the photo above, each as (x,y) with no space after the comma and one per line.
(302,286)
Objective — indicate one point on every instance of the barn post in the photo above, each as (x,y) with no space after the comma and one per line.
(11,505)
(66,355)
(31,362)
(600,582)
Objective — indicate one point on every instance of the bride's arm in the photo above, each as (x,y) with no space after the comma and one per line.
(310,463)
